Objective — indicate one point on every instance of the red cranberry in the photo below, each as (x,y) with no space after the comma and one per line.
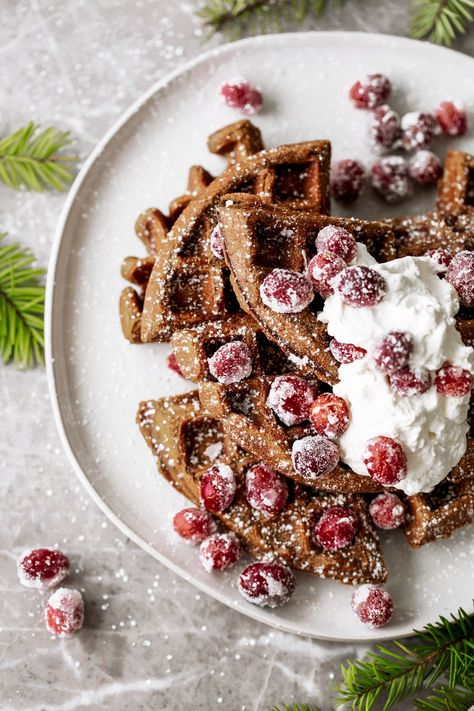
(286,292)
(360,286)
(172,364)
(371,92)
(329,415)
(336,528)
(387,511)
(385,460)
(219,552)
(267,584)
(42,568)
(346,352)
(348,178)
(216,242)
(460,274)
(418,130)
(440,258)
(265,489)
(290,398)
(393,351)
(385,128)
(453,381)
(425,167)
(373,605)
(314,456)
(390,178)
(242,96)
(322,269)
(408,382)
(452,118)
(193,524)
(64,613)
(231,363)
(338,241)
(218,487)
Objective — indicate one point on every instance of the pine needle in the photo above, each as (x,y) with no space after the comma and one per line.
(441,21)
(21,307)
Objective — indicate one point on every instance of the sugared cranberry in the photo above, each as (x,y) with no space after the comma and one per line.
(218,487)
(336,528)
(338,241)
(215,242)
(64,613)
(390,178)
(242,96)
(290,398)
(441,259)
(265,489)
(425,167)
(370,92)
(329,415)
(453,381)
(360,286)
(385,460)
(408,382)
(314,456)
(452,118)
(231,363)
(286,292)
(346,352)
(219,552)
(267,584)
(387,511)
(418,130)
(393,351)
(385,128)
(173,365)
(460,274)
(42,568)
(373,605)
(348,178)
(193,524)
(322,269)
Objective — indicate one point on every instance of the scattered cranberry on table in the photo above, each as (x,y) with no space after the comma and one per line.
(387,511)
(267,584)
(286,292)
(193,524)
(418,130)
(322,269)
(425,167)
(385,460)
(231,363)
(314,456)
(290,398)
(64,613)
(370,92)
(42,568)
(385,129)
(373,605)
(219,552)
(391,179)
(329,415)
(265,490)
(348,179)
(336,528)
(452,118)
(218,488)
(242,96)
(346,352)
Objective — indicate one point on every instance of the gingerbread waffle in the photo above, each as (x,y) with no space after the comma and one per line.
(187,441)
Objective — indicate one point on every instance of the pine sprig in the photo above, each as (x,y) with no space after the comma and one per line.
(21,307)
(35,160)
(441,21)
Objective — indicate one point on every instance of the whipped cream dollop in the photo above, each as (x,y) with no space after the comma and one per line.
(430,427)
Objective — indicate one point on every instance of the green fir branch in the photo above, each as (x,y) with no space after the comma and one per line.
(441,21)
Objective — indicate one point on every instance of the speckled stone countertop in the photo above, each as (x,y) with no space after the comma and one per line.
(151,641)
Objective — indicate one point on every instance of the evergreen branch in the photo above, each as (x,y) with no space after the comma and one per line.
(441,21)
(35,160)
(21,307)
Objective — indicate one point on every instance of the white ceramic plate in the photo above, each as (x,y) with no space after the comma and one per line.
(97,379)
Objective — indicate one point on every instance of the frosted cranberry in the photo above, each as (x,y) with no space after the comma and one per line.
(425,167)
(360,286)
(390,178)
(231,363)
(215,242)
(173,365)
(348,178)
(385,460)
(418,130)
(453,381)
(460,274)
(336,528)
(322,269)
(267,584)
(329,415)
(338,241)
(193,524)
(385,128)
(373,605)
(219,552)
(393,351)
(441,259)
(218,487)
(314,456)
(290,398)
(452,118)
(286,292)
(265,489)
(346,352)
(408,382)
(370,92)
(64,613)
(42,568)
(387,511)
(242,96)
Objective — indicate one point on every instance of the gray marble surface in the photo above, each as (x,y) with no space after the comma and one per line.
(150,641)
